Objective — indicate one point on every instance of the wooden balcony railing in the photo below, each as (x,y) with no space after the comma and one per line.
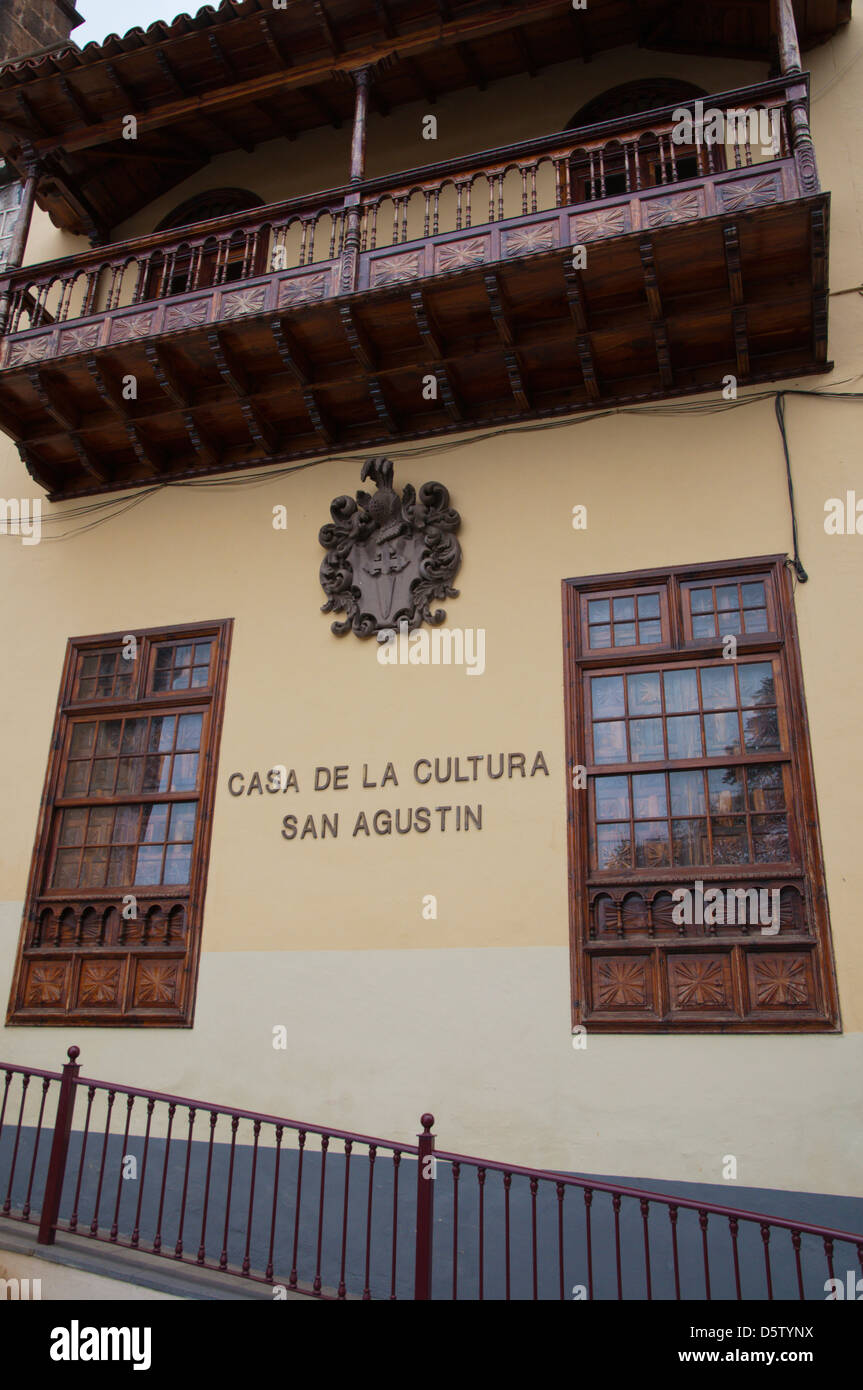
(565,189)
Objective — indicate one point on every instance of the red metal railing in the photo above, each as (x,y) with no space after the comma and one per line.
(333,1214)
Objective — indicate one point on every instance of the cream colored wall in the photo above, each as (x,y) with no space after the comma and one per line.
(468,1015)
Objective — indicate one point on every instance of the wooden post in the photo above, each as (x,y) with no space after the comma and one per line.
(59,1150)
(18,244)
(425,1211)
(351,242)
(786,37)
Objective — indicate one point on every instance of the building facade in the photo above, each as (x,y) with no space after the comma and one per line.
(573,866)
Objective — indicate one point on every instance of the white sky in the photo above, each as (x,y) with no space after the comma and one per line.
(103,17)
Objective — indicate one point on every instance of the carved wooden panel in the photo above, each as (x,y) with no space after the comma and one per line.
(605,222)
(190,314)
(304,289)
(676,207)
(237,303)
(131,327)
(394,270)
(30,350)
(740,194)
(621,983)
(456,255)
(526,241)
(700,982)
(79,339)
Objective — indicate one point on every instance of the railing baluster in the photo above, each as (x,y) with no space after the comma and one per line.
(73,1220)
(143,1174)
(130,1101)
(672,1216)
(367,1293)
(342,1290)
(157,1239)
(601,173)
(269,1270)
(292,1282)
(397,1158)
(256,1130)
(534,1184)
(645,1205)
(500,207)
(480,1177)
(456,1170)
(615,1202)
(178,1248)
(588,1203)
(469,192)
(561,1193)
(436,222)
(733,1227)
(795,1242)
(325,1144)
(828,1251)
(458,209)
(427,212)
(702,1221)
(94,1224)
(202,1247)
(507,1182)
(223,1257)
(533,172)
(405,201)
(523,190)
(25,1082)
(765,1237)
(46,1082)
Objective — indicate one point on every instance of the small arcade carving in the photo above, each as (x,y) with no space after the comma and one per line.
(389,555)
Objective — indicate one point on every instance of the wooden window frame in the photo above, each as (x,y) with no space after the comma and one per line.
(125,972)
(629,973)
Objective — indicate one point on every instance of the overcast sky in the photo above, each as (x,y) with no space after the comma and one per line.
(103,17)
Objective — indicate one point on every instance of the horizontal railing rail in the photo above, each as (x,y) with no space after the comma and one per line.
(591,165)
(315,1210)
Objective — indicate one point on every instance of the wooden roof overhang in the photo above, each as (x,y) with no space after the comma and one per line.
(684,283)
(243,73)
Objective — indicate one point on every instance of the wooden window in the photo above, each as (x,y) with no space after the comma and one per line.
(699,900)
(112,925)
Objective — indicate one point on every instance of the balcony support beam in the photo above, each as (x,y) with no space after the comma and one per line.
(578,312)
(654,311)
(436,355)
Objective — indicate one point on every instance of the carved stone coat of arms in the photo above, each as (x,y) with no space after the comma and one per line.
(389,555)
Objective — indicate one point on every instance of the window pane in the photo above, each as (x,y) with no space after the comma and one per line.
(651,844)
(66,869)
(687,793)
(189,731)
(202,652)
(77,777)
(649,632)
(99,827)
(613,847)
(129,774)
(183,820)
(704,626)
(624,609)
(81,743)
(609,743)
(730,844)
(729,622)
(108,741)
(612,800)
(161,680)
(756,684)
(154,821)
(102,777)
(126,825)
(156,774)
(181,678)
(648,605)
(161,734)
(94,868)
(646,741)
(684,737)
(760,730)
(200,675)
(624,634)
(717,687)
(182,656)
(648,795)
(598,611)
(134,736)
(721,734)
(163,658)
(681,691)
(755,620)
(600,637)
(185,774)
(770,839)
(766,791)
(725,785)
(72,824)
(753,596)
(149,866)
(689,842)
(701,600)
(644,693)
(606,694)
(120,866)
(726,596)
(177,861)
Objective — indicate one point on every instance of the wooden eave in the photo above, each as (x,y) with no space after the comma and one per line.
(245,73)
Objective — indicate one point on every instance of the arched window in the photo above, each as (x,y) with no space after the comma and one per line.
(221,259)
(619,167)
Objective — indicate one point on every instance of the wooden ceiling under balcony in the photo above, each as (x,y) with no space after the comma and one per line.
(244,73)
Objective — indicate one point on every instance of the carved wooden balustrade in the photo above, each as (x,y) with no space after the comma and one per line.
(288,330)
(631,172)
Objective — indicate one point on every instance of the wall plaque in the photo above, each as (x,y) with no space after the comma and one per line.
(389,555)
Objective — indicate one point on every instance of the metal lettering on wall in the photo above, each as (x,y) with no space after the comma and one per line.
(389,556)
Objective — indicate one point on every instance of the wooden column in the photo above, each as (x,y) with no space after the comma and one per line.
(786,37)
(18,244)
(353,211)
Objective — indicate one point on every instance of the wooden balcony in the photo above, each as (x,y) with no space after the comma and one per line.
(446,299)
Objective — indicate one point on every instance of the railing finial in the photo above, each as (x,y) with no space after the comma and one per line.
(73,1053)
